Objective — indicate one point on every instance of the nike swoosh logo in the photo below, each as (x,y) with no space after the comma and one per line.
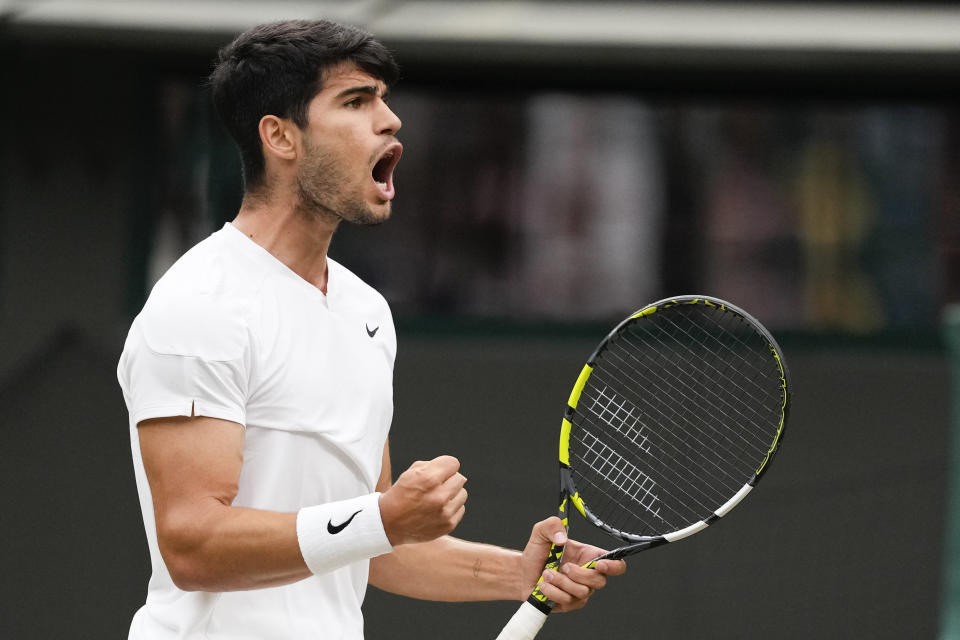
(334,529)
(372,332)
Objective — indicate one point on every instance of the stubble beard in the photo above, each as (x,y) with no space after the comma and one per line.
(322,192)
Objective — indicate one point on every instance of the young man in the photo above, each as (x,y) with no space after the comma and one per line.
(258,378)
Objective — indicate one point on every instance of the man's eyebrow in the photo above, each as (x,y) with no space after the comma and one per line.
(368,89)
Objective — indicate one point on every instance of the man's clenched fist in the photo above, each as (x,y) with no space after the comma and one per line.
(426,502)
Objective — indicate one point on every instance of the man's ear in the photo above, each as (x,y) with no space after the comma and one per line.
(279,137)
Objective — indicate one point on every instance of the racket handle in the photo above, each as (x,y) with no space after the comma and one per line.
(525,623)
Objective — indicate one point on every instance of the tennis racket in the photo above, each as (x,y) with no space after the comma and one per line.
(671,423)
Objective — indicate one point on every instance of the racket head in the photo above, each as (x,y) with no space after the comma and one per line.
(673,420)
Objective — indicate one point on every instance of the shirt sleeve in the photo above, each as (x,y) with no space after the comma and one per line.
(189,357)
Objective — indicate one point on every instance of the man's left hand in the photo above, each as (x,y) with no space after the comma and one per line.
(572,585)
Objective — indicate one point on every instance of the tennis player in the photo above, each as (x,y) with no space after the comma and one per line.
(258,379)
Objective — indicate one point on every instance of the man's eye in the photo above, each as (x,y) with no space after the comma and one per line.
(354,104)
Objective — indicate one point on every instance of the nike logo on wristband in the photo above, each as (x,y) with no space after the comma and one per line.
(372,332)
(334,529)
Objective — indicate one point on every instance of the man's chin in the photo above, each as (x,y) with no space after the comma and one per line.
(370,216)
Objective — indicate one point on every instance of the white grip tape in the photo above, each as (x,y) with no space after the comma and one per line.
(524,624)
(336,534)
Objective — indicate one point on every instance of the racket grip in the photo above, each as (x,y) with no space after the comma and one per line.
(524,625)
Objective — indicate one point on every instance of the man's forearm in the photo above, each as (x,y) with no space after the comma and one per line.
(230,548)
(449,569)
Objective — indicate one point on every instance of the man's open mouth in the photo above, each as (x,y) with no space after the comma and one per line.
(383,170)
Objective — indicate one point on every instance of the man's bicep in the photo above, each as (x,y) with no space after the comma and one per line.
(193,467)
(190,461)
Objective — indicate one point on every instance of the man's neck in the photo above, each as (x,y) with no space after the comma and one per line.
(297,239)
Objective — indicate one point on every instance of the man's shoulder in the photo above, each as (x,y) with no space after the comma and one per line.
(200,305)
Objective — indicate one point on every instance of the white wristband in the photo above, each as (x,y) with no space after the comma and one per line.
(336,534)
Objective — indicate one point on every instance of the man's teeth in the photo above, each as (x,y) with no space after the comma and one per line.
(381,184)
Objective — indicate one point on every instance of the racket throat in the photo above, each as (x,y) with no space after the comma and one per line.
(623,552)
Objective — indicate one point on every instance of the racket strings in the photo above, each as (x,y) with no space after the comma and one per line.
(658,506)
(623,515)
(670,405)
(735,347)
(710,363)
(627,477)
(648,437)
(681,505)
(669,412)
(731,375)
(723,328)
(600,461)
(718,389)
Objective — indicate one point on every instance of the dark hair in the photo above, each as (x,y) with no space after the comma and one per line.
(277,69)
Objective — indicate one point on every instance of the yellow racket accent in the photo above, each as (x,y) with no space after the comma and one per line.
(572,402)
(537,593)
(565,442)
(578,387)
(670,303)
(578,503)
(783,411)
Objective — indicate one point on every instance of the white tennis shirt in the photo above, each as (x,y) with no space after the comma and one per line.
(230,332)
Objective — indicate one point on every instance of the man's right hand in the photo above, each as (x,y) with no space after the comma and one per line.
(426,502)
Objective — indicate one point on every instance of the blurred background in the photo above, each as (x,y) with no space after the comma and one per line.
(565,163)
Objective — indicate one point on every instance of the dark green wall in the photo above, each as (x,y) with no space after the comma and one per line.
(841,540)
